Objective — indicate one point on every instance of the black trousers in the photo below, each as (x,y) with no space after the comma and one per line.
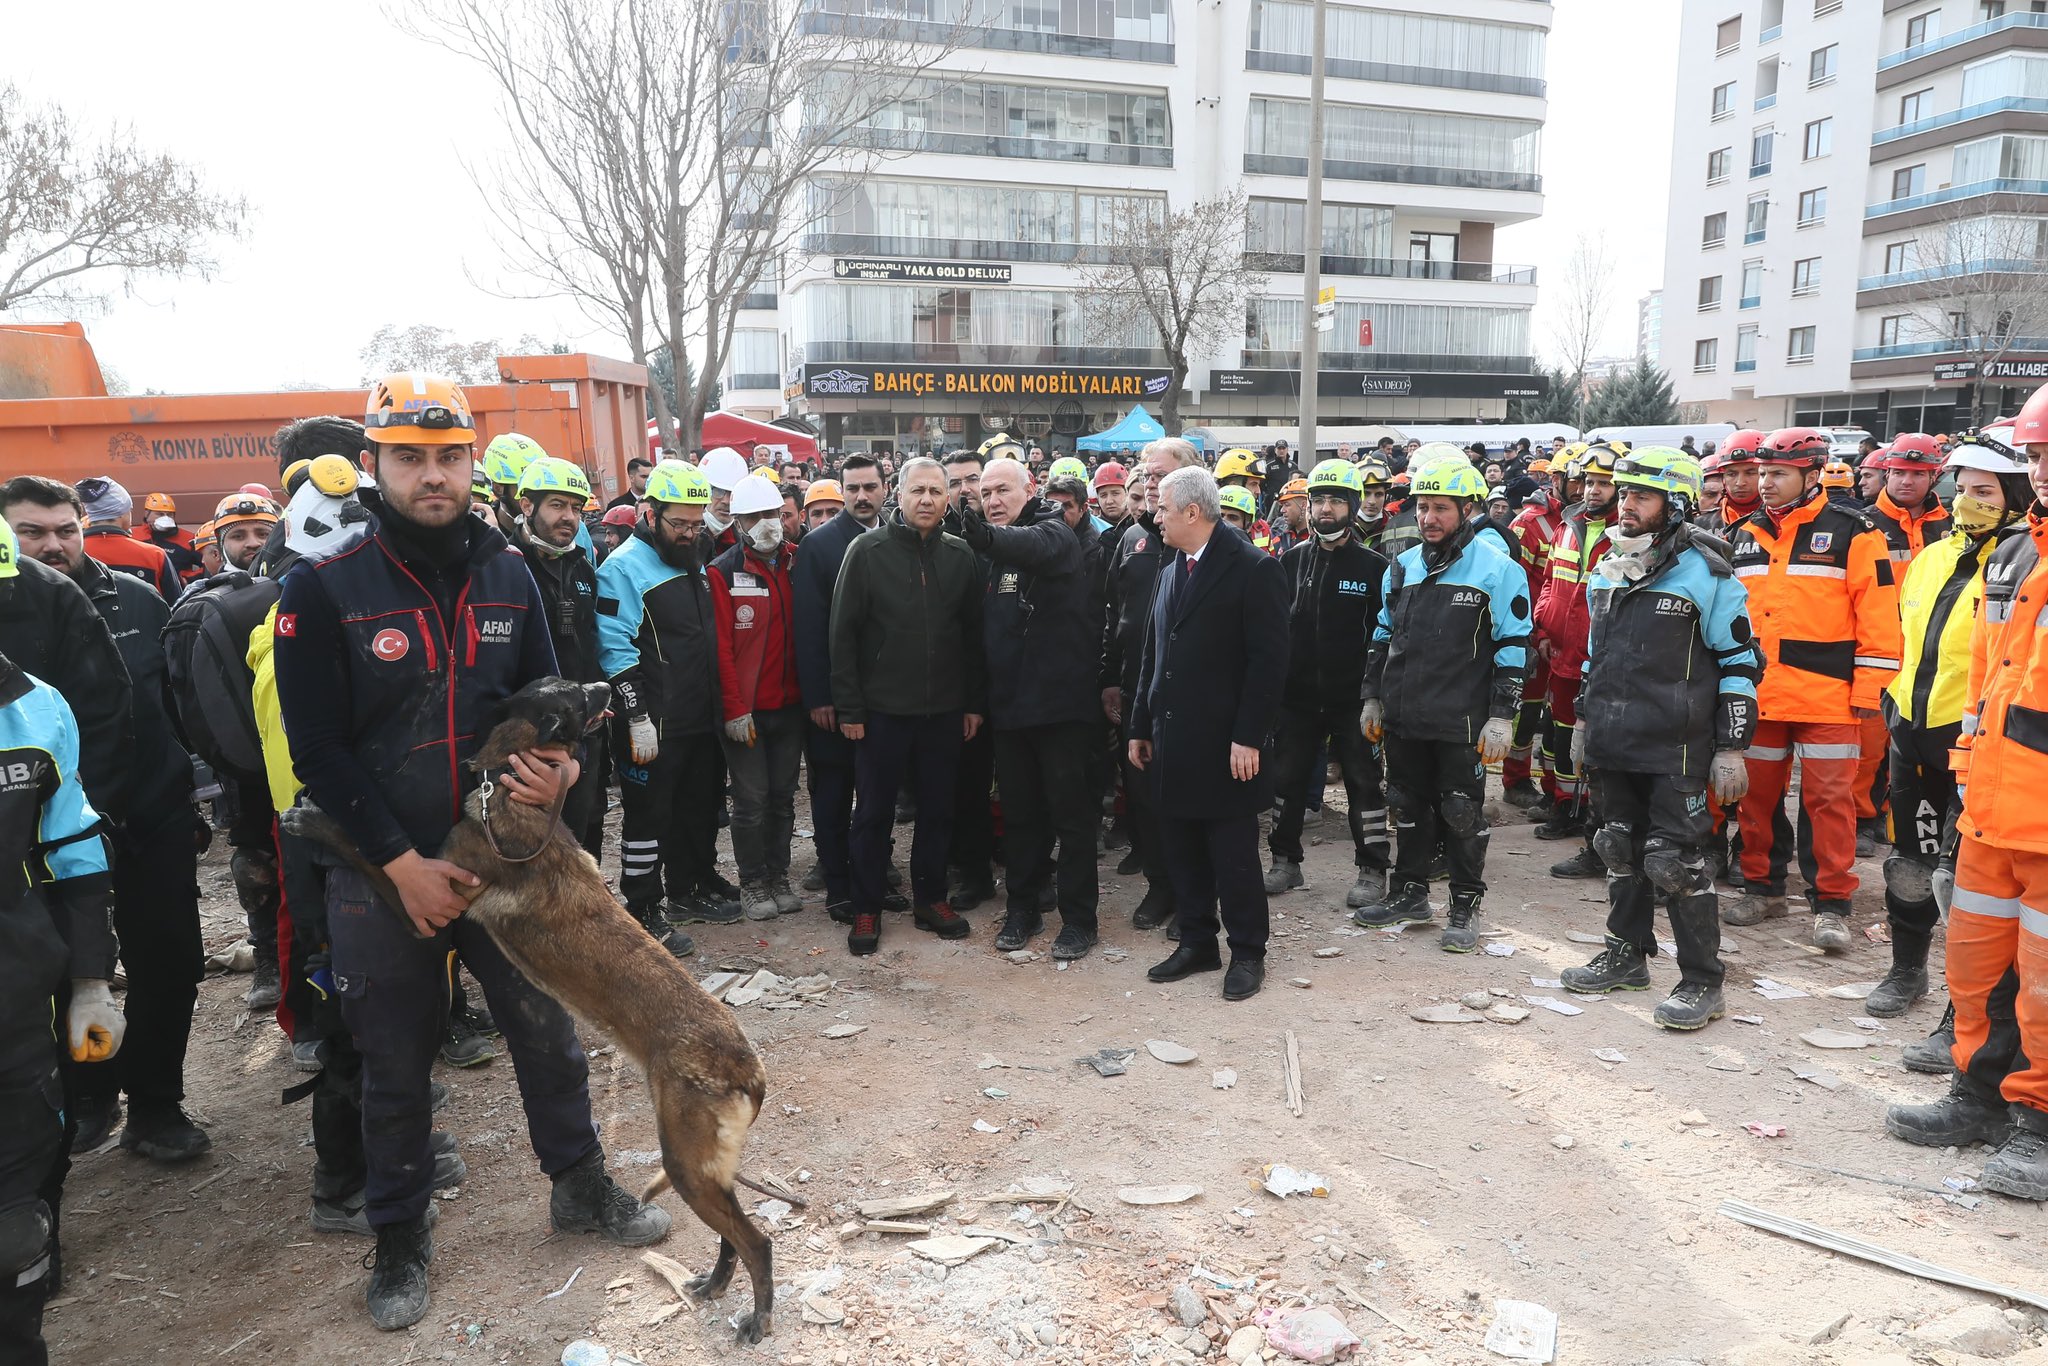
(156,917)
(1652,835)
(1295,752)
(1437,788)
(32,1164)
(764,792)
(583,811)
(927,750)
(668,834)
(974,821)
(828,768)
(1923,794)
(1215,864)
(394,999)
(1148,842)
(1049,793)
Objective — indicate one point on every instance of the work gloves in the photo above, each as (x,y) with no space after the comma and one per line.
(740,730)
(1728,777)
(974,530)
(1495,740)
(94,1024)
(1372,719)
(642,743)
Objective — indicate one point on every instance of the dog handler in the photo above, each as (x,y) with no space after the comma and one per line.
(391,656)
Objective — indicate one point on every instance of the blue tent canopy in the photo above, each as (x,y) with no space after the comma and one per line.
(1134,430)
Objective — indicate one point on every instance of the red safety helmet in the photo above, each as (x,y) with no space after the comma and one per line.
(1710,466)
(2030,428)
(1111,474)
(1806,447)
(623,515)
(1740,446)
(1913,451)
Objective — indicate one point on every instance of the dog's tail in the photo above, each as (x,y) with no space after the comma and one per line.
(655,1187)
(661,1183)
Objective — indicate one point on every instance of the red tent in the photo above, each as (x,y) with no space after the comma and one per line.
(743,434)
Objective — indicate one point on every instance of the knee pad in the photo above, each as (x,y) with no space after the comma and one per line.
(24,1243)
(1908,880)
(1462,815)
(1404,803)
(255,875)
(1674,871)
(1615,848)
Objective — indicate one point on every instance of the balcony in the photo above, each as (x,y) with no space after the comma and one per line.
(1953,270)
(992,145)
(1391,268)
(1759,168)
(1364,361)
(769,380)
(895,29)
(1750,301)
(1955,192)
(1743,367)
(1771,34)
(1943,346)
(1961,36)
(1353,69)
(977,353)
(2019,104)
(1396,173)
(954,248)
(1764,102)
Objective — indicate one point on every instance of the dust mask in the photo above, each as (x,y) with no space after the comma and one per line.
(1974,517)
(766,536)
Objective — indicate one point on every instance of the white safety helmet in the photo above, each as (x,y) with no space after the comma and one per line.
(319,524)
(754,494)
(724,467)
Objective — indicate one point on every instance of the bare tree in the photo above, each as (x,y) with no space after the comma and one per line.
(77,217)
(438,351)
(667,148)
(1586,297)
(1177,281)
(1979,282)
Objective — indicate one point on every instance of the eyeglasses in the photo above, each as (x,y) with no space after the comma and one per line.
(678,523)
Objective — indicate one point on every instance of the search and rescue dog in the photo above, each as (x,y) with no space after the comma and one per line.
(545,903)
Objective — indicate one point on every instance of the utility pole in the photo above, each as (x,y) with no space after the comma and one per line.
(1312,248)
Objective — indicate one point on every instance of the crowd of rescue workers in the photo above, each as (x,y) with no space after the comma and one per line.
(1006,661)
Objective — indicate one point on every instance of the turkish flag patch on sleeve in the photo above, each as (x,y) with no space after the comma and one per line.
(288,624)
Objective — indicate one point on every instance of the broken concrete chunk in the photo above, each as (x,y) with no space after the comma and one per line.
(896,1206)
(843,1031)
(1447,1012)
(1507,1014)
(1336,951)
(1834,1038)
(952,1249)
(1109,1062)
(1476,1000)
(1157,1195)
(1223,1078)
(1166,1050)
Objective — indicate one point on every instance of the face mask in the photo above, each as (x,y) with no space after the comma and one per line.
(766,537)
(717,523)
(1976,518)
(1627,558)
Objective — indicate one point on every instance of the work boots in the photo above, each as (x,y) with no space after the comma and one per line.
(1754,908)
(1407,906)
(1564,823)
(787,901)
(1459,936)
(1523,794)
(1907,980)
(1582,864)
(1691,1005)
(398,1274)
(1831,931)
(1962,1116)
(1696,934)
(1620,966)
(586,1200)
(1370,886)
(1934,1054)
(757,902)
(1018,929)
(266,989)
(162,1132)
(1283,876)
(941,919)
(1154,910)
(865,935)
(2020,1168)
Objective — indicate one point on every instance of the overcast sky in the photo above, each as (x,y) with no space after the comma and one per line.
(316,113)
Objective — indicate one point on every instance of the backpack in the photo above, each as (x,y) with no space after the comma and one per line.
(206,646)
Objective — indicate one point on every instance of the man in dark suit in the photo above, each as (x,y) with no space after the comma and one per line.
(1204,710)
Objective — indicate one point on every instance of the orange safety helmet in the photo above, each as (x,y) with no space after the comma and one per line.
(244,507)
(1806,447)
(1293,488)
(412,409)
(1914,451)
(205,536)
(159,502)
(2030,428)
(1837,474)
(1740,446)
(824,491)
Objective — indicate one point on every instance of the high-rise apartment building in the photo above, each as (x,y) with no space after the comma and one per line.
(1856,231)
(937,295)
(1650,327)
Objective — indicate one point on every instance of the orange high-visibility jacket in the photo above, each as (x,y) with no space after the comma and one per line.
(2002,755)
(1826,611)
(1906,534)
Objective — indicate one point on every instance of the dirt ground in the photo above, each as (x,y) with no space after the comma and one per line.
(1465,1163)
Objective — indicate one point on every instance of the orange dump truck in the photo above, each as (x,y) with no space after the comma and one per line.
(57,419)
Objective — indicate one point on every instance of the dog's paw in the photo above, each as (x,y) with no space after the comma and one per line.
(749,1329)
(703,1288)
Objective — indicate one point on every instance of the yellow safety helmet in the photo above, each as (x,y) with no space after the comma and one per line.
(1235,499)
(1239,463)
(508,455)
(678,481)
(1373,472)
(551,475)
(1001,446)
(1445,479)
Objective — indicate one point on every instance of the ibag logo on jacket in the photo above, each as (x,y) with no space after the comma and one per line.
(390,645)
